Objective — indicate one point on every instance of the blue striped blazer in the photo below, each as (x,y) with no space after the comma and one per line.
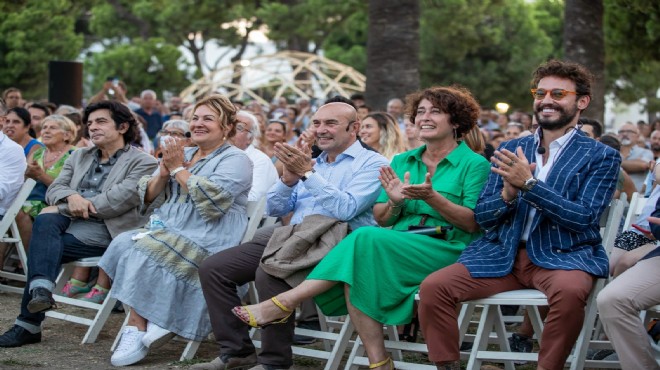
(565,229)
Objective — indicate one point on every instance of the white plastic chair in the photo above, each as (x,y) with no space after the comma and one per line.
(491,316)
(9,234)
(637,203)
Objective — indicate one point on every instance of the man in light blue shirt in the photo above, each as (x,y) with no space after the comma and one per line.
(341,183)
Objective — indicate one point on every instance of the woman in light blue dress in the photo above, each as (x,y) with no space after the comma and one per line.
(205,191)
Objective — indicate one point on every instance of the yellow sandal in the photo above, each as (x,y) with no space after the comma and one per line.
(252,321)
(384,362)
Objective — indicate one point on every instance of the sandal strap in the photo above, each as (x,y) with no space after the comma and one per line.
(280,305)
(379,364)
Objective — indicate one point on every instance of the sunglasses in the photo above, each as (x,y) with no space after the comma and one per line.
(555,94)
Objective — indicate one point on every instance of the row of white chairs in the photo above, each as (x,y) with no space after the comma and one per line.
(337,333)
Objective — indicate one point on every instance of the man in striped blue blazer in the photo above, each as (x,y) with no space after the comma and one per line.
(540,210)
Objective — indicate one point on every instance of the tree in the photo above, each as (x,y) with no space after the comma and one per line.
(487,46)
(392,50)
(150,64)
(35,32)
(178,23)
(584,43)
(633,58)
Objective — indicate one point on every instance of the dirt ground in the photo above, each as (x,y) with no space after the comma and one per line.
(60,347)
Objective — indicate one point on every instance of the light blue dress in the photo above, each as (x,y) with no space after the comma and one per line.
(157,275)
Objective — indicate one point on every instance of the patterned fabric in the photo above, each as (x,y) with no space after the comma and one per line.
(37,198)
(565,232)
(157,274)
(180,256)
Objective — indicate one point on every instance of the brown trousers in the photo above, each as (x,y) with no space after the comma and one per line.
(567,293)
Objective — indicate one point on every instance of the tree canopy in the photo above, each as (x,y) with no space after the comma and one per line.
(489,46)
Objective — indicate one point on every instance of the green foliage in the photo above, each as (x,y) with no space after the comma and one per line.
(311,20)
(490,47)
(632,36)
(34,33)
(348,44)
(151,64)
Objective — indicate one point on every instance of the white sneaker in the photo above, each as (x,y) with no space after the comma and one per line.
(156,336)
(130,349)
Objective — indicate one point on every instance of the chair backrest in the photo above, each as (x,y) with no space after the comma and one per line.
(610,222)
(255,211)
(637,203)
(11,213)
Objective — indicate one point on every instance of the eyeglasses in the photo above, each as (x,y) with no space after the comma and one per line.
(172,133)
(240,128)
(555,94)
(627,132)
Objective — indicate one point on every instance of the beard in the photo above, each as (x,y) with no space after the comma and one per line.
(626,142)
(655,147)
(565,117)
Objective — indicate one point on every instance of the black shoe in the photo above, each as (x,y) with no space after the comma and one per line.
(303,339)
(519,343)
(118,307)
(18,336)
(42,300)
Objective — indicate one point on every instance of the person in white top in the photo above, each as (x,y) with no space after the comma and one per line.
(12,171)
(264,173)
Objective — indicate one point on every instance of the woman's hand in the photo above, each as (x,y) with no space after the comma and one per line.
(34,171)
(164,172)
(423,191)
(172,154)
(392,184)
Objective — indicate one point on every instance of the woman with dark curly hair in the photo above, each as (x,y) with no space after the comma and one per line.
(374,273)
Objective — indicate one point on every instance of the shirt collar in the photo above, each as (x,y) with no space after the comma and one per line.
(352,151)
(559,142)
(454,157)
(114,157)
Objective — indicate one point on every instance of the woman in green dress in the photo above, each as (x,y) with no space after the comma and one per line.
(44,165)
(374,273)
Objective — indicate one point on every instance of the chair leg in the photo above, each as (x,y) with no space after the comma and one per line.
(99,320)
(340,345)
(190,350)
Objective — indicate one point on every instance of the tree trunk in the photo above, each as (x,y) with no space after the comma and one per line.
(584,43)
(392,50)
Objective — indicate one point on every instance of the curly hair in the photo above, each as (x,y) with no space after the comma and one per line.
(391,140)
(455,100)
(575,72)
(223,107)
(119,113)
(65,124)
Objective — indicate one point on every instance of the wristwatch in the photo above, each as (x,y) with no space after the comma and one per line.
(529,184)
(307,174)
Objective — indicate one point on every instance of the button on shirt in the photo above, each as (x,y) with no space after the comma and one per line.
(542,171)
(345,189)
(93,231)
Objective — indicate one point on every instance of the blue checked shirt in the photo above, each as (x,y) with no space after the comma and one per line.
(345,189)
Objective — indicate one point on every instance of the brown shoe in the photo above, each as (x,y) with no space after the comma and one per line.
(226,362)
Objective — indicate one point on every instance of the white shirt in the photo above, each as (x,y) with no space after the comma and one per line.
(264,173)
(12,171)
(542,171)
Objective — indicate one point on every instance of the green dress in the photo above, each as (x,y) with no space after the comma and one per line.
(384,267)
(36,200)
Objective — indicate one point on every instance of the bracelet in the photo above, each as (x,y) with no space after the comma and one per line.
(176,170)
(393,205)
(509,203)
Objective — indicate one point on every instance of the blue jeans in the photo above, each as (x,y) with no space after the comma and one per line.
(50,247)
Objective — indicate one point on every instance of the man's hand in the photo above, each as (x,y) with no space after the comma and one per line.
(295,160)
(514,169)
(79,206)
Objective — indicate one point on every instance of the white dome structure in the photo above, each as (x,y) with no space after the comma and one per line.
(286,73)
